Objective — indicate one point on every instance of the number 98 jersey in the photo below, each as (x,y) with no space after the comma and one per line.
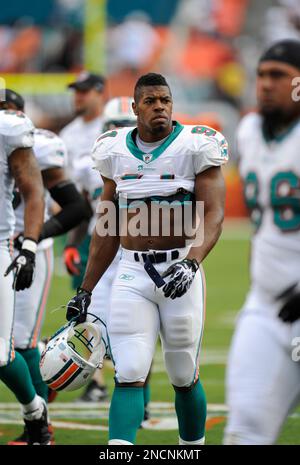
(271,177)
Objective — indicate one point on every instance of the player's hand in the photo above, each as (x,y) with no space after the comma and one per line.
(72,260)
(77,307)
(23,266)
(181,277)
(290,311)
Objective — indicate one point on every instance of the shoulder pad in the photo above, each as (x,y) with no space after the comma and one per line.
(109,139)
(49,149)
(14,123)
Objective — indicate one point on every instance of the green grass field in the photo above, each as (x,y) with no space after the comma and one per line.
(227,281)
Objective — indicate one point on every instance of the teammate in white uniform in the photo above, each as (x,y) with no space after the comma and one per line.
(83,130)
(116,113)
(79,136)
(169,161)
(30,306)
(263,380)
(17,163)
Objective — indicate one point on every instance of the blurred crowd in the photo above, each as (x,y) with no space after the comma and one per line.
(208,52)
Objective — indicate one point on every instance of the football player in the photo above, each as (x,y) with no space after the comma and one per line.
(78,136)
(263,380)
(159,284)
(18,164)
(30,305)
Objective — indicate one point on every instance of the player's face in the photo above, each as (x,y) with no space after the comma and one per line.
(154,109)
(87,101)
(274,88)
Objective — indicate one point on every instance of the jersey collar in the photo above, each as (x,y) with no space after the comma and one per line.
(152,155)
(280,137)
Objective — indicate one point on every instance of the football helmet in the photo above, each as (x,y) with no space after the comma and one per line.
(72,355)
(118,113)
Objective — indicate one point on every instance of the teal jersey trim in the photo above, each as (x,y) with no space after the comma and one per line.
(202,327)
(126,177)
(156,152)
(167,176)
(97,192)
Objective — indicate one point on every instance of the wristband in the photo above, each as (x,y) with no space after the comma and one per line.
(29,244)
(81,289)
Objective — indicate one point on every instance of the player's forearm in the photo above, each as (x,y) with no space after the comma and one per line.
(28,179)
(212,230)
(33,213)
(102,252)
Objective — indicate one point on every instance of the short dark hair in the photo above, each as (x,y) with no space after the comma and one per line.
(150,79)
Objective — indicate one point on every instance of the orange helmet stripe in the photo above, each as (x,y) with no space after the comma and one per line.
(64,376)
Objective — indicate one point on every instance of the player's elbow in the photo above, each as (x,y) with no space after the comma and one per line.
(216,217)
(73,204)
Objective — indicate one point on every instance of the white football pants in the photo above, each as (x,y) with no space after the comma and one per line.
(263,380)
(139,312)
(30,304)
(100,302)
(6,305)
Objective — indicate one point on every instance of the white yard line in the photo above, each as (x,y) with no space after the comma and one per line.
(102,406)
(62,424)
(162,415)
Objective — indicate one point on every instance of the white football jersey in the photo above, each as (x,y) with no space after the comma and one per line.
(16,131)
(271,175)
(79,137)
(50,152)
(173,165)
(89,180)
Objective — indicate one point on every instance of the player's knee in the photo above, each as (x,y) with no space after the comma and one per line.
(132,369)
(180,367)
(132,373)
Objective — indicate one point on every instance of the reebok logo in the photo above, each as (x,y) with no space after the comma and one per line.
(126,277)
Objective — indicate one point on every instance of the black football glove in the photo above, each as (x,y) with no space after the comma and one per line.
(181,277)
(23,267)
(290,311)
(18,241)
(77,307)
